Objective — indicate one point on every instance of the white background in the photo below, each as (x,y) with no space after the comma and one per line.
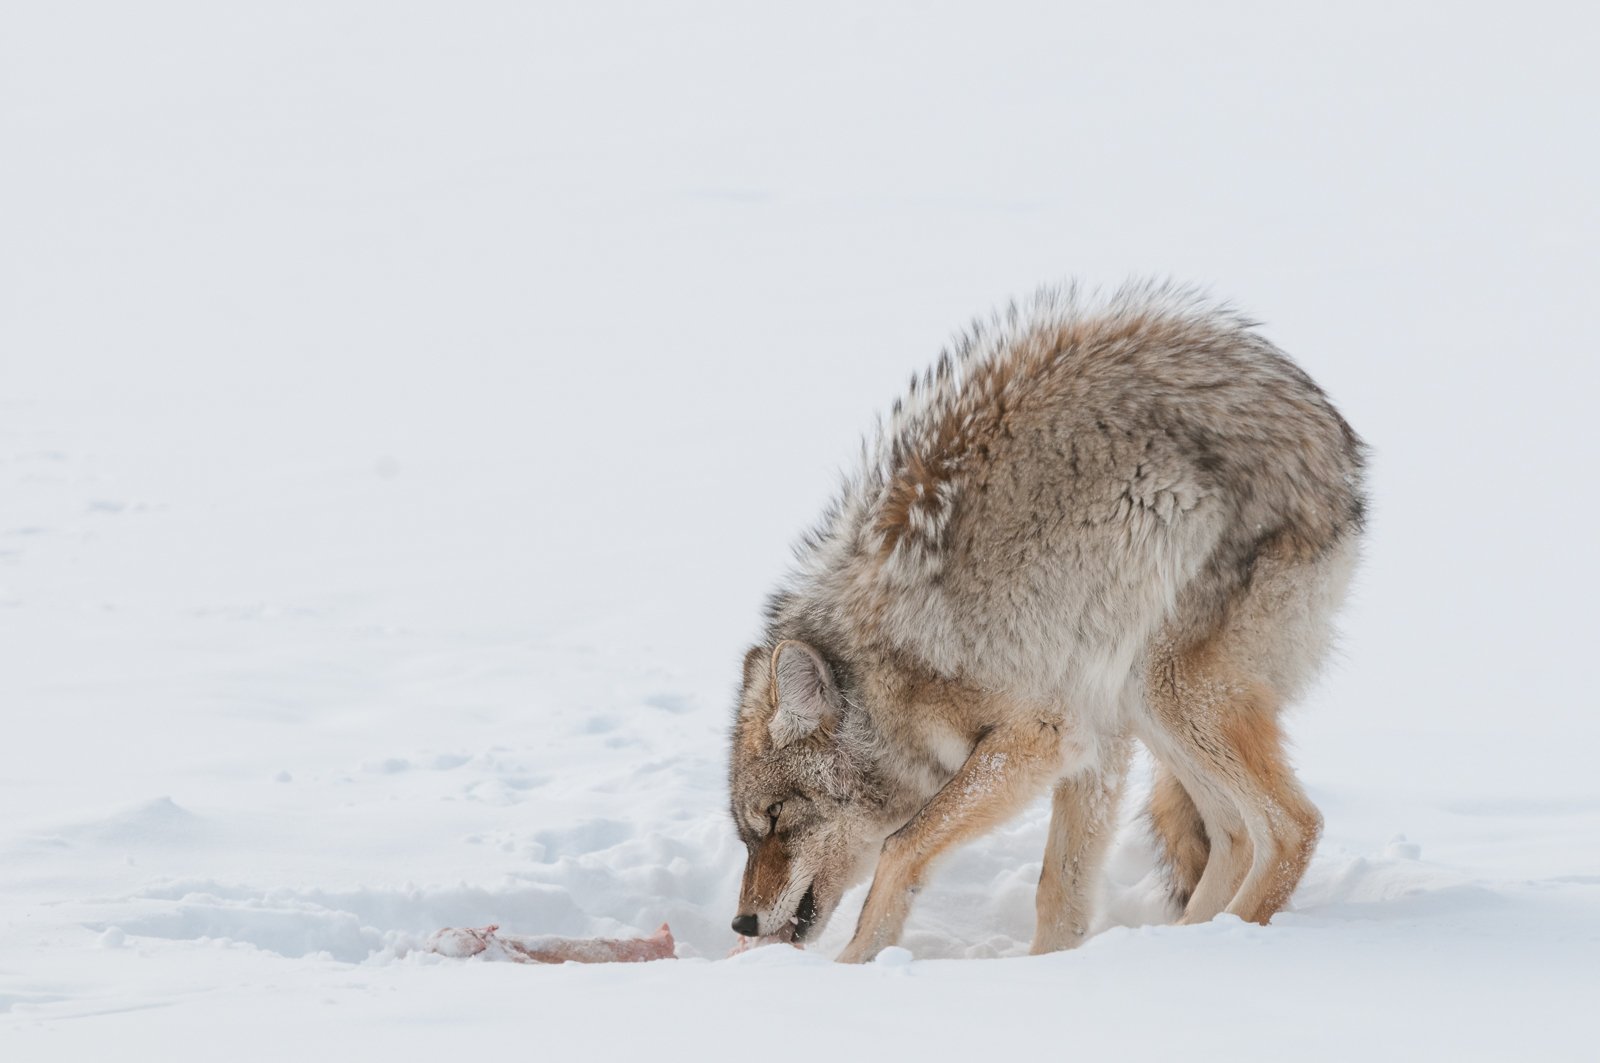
(415,403)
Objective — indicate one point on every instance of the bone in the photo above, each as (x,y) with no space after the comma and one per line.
(487,942)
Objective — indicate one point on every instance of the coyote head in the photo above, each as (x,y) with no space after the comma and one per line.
(802,799)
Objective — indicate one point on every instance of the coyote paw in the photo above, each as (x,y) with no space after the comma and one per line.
(865,948)
(854,953)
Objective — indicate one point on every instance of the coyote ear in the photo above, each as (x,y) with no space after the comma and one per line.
(807,698)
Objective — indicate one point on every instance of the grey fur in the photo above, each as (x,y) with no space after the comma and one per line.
(1074,493)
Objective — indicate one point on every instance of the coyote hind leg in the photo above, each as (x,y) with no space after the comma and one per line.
(1219,734)
(1283,823)
(1083,820)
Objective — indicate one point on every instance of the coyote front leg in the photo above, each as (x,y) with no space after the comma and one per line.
(1083,820)
(1004,771)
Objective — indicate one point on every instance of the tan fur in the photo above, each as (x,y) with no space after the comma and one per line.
(766,876)
(1088,525)
(1083,820)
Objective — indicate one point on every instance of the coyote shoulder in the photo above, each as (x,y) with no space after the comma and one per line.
(1088,523)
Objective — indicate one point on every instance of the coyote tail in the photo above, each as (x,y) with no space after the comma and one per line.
(1177,825)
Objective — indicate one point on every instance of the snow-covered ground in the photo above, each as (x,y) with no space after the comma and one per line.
(404,411)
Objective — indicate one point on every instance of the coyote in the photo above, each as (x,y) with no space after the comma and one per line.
(1088,523)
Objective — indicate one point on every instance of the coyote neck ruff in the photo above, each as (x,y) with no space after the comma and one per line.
(1084,525)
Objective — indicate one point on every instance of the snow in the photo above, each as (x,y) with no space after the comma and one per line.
(404,412)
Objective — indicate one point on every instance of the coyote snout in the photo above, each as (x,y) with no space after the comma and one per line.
(1085,526)
(767,907)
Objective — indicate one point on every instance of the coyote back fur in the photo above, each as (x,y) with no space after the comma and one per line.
(1086,524)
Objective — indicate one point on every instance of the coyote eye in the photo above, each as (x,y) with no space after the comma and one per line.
(775,810)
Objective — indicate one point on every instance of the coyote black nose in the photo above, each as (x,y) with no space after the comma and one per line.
(748,925)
